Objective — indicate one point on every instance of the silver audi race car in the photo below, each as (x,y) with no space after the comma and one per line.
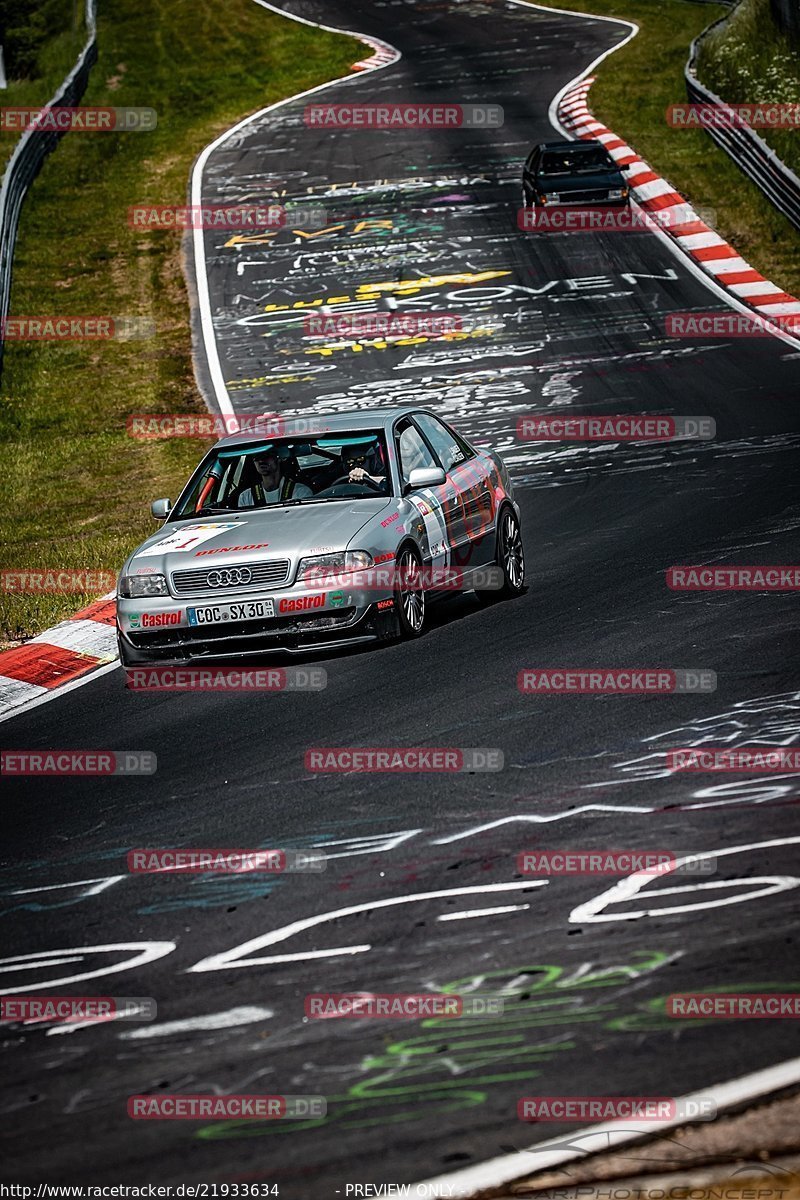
(323,532)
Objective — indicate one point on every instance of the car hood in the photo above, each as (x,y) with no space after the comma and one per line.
(580,183)
(264,533)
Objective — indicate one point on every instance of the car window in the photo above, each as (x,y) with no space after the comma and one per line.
(565,162)
(412,452)
(444,443)
(288,470)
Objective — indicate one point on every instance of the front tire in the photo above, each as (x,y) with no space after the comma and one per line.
(409,596)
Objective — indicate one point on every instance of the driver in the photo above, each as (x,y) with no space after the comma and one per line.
(363,466)
(275,483)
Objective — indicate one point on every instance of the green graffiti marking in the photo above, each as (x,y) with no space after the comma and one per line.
(449,1065)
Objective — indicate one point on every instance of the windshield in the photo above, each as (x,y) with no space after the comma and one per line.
(289,471)
(572,162)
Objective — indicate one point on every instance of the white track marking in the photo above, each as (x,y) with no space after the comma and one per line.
(627,888)
(245,1015)
(535,819)
(150,951)
(468,913)
(235,957)
(97,886)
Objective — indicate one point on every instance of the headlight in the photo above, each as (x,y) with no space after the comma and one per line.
(617,193)
(143,585)
(341,563)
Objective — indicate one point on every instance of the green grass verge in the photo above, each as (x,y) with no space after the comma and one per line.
(73,485)
(749,60)
(633,89)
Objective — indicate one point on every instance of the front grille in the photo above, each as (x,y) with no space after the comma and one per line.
(242,577)
(595,197)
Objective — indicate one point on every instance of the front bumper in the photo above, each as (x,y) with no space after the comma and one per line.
(355,618)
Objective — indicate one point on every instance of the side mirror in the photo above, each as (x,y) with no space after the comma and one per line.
(624,169)
(422,477)
(160,509)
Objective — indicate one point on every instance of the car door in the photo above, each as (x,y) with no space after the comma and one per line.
(472,506)
(438,507)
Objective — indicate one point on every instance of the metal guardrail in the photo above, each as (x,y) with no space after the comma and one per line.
(28,156)
(751,153)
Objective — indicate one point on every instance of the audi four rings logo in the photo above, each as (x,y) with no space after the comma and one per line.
(229,577)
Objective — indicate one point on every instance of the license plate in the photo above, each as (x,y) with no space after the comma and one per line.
(248,610)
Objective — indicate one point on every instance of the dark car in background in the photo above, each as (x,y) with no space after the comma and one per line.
(580,172)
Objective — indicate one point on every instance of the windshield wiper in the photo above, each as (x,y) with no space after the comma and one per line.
(214,508)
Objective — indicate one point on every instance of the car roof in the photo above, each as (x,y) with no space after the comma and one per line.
(349,420)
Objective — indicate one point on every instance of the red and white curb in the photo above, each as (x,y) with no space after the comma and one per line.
(58,656)
(382,55)
(711,253)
